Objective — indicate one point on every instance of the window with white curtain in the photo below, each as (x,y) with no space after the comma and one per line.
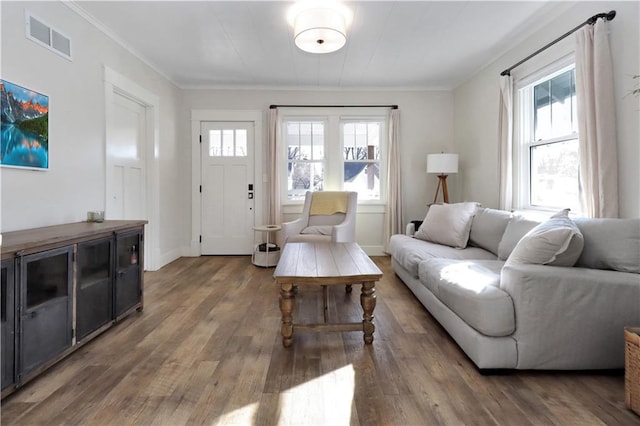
(304,141)
(547,141)
(329,150)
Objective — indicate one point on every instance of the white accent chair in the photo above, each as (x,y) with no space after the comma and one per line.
(337,227)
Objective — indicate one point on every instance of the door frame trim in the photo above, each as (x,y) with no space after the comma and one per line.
(116,82)
(197,117)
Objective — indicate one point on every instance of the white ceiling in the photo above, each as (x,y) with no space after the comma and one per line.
(391,44)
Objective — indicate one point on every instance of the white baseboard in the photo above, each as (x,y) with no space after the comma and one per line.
(194,251)
(172,255)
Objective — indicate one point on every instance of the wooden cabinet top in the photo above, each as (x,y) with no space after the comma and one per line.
(38,239)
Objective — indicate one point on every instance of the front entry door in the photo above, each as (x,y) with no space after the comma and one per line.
(227,165)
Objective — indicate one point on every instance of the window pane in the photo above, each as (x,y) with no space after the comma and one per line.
(303,177)
(349,134)
(554,175)
(215,143)
(227,143)
(562,92)
(241,143)
(554,106)
(305,147)
(361,138)
(364,178)
(318,150)
(293,141)
(542,111)
(361,155)
(305,140)
(373,130)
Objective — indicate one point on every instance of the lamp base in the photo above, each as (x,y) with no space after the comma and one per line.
(442,182)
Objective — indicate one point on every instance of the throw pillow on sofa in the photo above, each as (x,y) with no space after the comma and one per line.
(448,224)
(556,241)
(517,228)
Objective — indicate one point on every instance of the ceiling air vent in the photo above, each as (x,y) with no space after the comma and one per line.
(44,35)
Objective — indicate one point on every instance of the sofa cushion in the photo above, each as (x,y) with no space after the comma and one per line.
(409,252)
(448,224)
(487,228)
(471,289)
(610,244)
(517,227)
(318,230)
(556,241)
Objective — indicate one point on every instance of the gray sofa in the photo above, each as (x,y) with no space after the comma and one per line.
(529,316)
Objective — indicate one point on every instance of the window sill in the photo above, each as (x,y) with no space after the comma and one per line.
(542,214)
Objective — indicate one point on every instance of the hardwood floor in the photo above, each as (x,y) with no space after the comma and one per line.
(207,350)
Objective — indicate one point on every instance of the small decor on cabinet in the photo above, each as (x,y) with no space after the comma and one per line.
(24,120)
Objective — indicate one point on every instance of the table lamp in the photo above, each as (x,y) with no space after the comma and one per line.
(442,164)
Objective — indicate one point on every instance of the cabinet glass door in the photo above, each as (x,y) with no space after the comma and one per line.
(129,271)
(94,286)
(8,322)
(46,306)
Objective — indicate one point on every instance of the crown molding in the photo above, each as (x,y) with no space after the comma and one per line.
(74,6)
(317,88)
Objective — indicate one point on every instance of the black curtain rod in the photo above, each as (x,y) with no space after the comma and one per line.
(608,16)
(333,106)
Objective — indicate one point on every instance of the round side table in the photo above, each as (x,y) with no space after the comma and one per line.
(270,256)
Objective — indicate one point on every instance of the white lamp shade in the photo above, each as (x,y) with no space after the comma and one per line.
(320,30)
(442,163)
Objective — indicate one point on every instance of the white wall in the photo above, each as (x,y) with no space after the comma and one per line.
(75,182)
(476,101)
(429,122)
(426,126)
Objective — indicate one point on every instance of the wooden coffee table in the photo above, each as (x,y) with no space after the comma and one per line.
(326,264)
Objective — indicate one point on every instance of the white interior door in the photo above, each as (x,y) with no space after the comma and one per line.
(227,168)
(126,176)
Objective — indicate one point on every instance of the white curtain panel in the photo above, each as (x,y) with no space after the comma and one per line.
(505,153)
(393,213)
(274,167)
(596,122)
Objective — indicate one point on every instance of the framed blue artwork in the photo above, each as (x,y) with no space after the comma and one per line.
(25,127)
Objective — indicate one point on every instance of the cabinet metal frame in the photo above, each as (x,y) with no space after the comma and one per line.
(11,327)
(77,283)
(25,312)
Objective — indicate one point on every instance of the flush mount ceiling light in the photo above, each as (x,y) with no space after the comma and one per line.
(320,26)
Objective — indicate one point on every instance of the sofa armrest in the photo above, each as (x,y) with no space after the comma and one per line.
(344,232)
(411,229)
(292,228)
(571,318)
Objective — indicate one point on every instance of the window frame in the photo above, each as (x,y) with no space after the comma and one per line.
(334,145)
(524,142)
(323,162)
(382,147)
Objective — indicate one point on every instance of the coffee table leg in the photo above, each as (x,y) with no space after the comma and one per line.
(287,302)
(368,302)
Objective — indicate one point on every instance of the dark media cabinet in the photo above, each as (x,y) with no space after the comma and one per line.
(61,287)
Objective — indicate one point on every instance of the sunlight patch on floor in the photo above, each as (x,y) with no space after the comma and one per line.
(242,416)
(325,400)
